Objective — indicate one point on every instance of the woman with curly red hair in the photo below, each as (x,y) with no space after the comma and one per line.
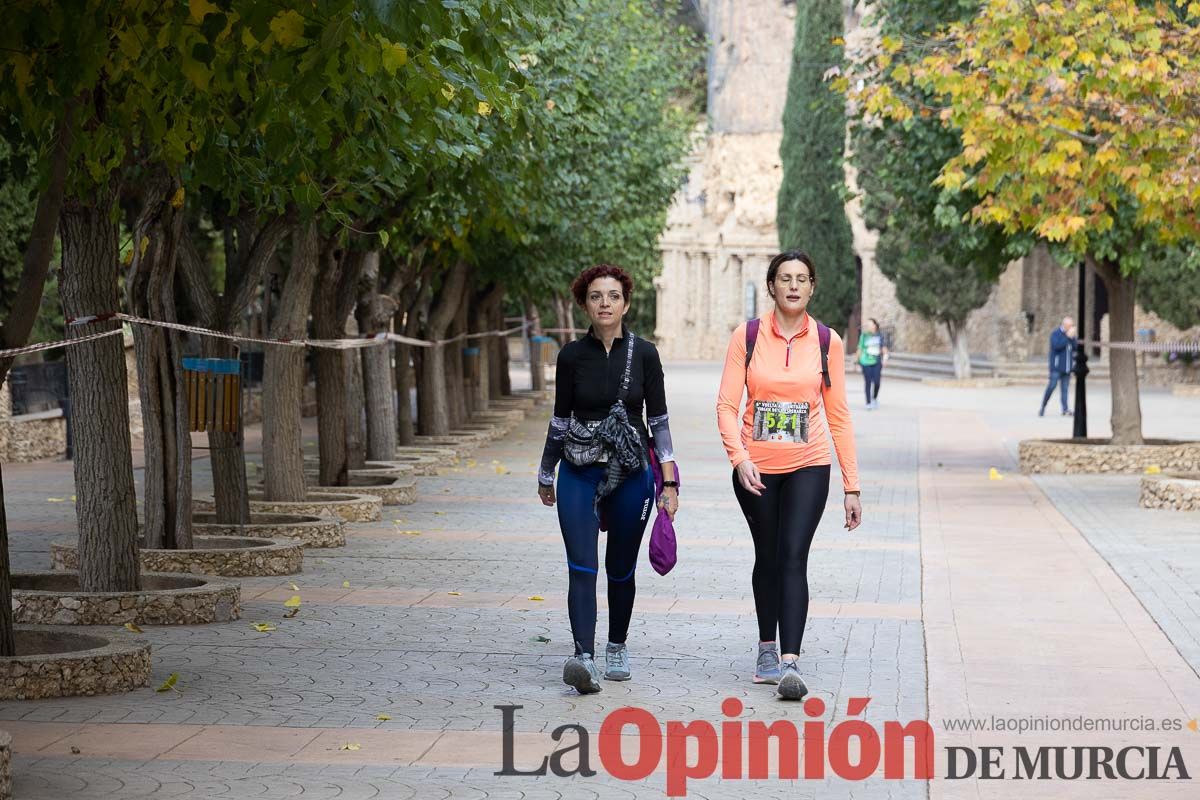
(603,381)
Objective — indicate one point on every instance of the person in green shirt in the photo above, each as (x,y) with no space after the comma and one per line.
(872,355)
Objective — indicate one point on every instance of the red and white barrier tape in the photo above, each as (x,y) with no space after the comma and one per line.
(43,346)
(332,344)
(1150,347)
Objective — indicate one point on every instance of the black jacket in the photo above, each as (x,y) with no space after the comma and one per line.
(587,381)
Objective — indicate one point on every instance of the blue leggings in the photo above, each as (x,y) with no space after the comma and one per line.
(626,511)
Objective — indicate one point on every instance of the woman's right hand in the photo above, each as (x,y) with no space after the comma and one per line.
(546,494)
(749,478)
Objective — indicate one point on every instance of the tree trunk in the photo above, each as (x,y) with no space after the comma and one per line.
(503,385)
(167,477)
(479,321)
(356,441)
(14,331)
(537,371)
(405,424)
(333,300)
(283,372)
(106,504)
(8,645)
(960,348)
(456,392)
(227,454)
(1126,404)
(433,404)
(566,319)
(375,313)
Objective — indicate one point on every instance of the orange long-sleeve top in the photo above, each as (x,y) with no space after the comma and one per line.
(788,371)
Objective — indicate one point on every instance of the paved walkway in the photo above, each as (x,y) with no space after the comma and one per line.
(959,597)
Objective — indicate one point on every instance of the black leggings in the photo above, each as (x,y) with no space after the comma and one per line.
(783,521)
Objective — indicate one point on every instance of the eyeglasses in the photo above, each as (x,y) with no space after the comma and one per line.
(786,280)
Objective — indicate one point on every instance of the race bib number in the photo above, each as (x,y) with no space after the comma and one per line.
(874,346)
(780,422)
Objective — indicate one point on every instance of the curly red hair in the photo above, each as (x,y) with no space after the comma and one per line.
(580,285)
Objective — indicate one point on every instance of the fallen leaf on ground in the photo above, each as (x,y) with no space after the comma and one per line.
(456,594)
(132,626)
(538,638)
(292,602)
(500,470)
(383,717)
(994,475)
(74,750)
(440,513)
(472,462)
(1153,469)
(410,533)
(292,613)
(350,746)
(295,588)
(536,597)
(263,627)
(55,500)
(345,584)
(169,683)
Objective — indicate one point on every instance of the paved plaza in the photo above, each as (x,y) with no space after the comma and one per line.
(962,596)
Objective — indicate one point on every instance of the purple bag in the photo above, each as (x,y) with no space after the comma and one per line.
(662,535)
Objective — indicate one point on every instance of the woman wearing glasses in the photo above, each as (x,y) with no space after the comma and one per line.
(602,382)
(792,370)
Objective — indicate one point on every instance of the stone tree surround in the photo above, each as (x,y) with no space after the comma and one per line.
(51,662)
(351,507)
(1072,457)
(1179,491)
(309,530)
(54,598)
(230,556)
(5,766)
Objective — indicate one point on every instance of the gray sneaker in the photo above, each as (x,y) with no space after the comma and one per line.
(767,668)
(580,672)
(791,685)
(616,662)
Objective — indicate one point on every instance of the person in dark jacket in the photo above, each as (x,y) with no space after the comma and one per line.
(589,373)
(1062,360)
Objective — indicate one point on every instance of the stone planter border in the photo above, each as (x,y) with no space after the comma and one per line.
(307,530)
(230,556)
(392,490)
(421,465)
(1178,491)
(5,766)
(166,599)
(350,506)
(71,665)
(969,383)
(1186,390)
(1074,457)
(464,445)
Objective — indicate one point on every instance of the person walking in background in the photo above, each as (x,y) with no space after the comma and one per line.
(1062,358)
(792,371)
(872,355)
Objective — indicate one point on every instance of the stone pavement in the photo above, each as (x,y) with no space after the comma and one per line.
(958,597)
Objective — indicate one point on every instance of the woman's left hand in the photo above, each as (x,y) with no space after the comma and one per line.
(853,512)
(668,501)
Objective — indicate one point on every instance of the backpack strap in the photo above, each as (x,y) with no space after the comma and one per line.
(751,338)
(823,337)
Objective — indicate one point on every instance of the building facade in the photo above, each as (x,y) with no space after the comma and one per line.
(721,230)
